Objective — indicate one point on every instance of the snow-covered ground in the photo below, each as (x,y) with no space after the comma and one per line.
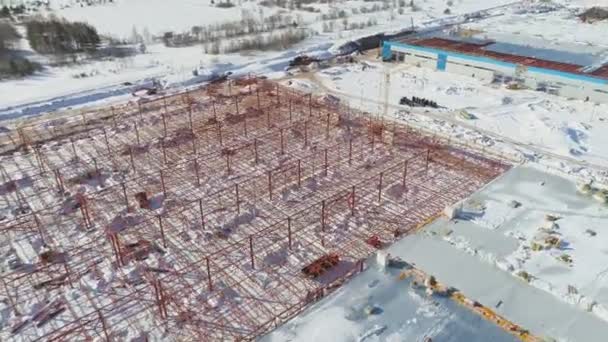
(514,238)
(556,24)
(48,88)
(536,126)
(377,306)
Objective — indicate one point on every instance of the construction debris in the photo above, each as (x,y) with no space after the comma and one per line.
(321,265)
(417,102)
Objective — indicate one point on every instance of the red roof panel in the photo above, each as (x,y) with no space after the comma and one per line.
(477,49)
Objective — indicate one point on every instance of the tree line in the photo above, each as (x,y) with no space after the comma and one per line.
(58,36)
(12,64)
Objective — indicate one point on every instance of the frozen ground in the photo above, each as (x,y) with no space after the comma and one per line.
(556,23)
(534,125)
(491,244)
(400,313)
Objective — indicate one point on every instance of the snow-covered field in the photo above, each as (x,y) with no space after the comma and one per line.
(509,226)
(377,306)
(176,64)
(536,126)
(557,24)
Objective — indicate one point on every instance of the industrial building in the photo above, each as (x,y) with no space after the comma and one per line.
(561,73)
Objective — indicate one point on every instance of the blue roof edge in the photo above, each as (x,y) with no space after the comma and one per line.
(585,78)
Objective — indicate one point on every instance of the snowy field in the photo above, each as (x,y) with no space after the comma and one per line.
(59,88)
(496,240)
(398,313)
(536,126)
(556,24)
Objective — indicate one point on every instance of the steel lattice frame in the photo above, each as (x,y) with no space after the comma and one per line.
(247,183)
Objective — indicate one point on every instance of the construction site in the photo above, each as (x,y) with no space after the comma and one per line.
(214,214)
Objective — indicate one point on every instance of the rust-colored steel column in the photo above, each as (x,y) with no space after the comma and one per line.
(132,158)
(257,91)
(190,118)
(373,143)
(245,124)
(255,150)
(164,124)
(278,96)
(353,201)
(327,126)
(103,325)
(404,173)
(282,144)
(124,193)
(323,215)
(162,145)
(209,282)
(306,133)
(105,136)
(270,185)
(238,202)
(326,166)
(95,166)
(58,180)
(350,151)
(299,173)
(136,132)
(380,187)
(200,208)
(268,118)
(251,251)
(39,228)
(162,183)
(115,244)
(39,160)
(289,232)
(196,171)
(68,274)
(73,148)
(162,231)
(113,115)
(219,133)
(310,104)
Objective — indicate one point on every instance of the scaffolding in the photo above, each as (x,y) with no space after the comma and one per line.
(192,216)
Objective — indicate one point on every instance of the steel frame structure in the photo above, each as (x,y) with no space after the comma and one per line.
(190,216)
